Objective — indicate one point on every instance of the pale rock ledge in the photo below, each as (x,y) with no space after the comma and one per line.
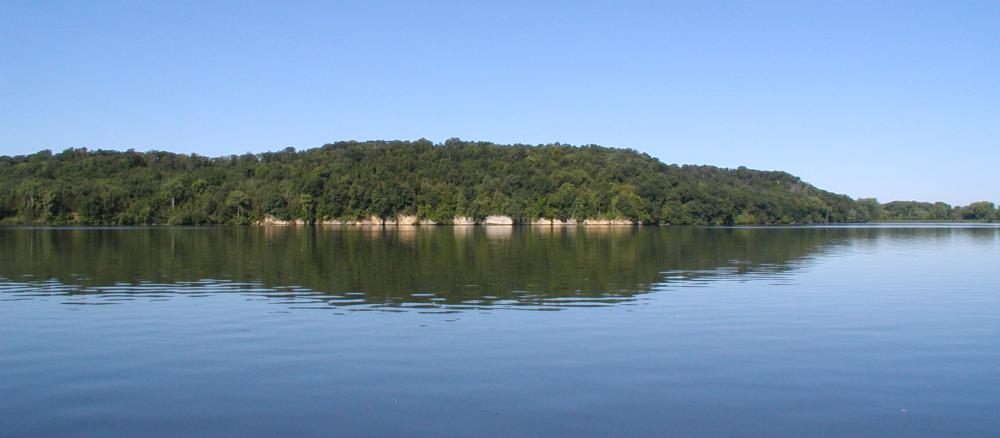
(498,220)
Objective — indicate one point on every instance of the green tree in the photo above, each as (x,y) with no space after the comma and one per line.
(307,208)
(237,200)
(979,211)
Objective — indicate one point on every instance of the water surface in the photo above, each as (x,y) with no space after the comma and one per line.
(497,331)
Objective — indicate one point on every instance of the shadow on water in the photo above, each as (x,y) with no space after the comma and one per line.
(444,268)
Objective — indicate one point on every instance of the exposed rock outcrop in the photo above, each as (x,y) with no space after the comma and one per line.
(271,220)
(406,220)
(606,222)
(553,222)
(462,220)
(498,220)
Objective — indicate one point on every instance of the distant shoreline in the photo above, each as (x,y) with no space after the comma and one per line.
(360,226)
(420,182)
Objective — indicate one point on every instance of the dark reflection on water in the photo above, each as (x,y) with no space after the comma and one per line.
(428,267)
(450,268)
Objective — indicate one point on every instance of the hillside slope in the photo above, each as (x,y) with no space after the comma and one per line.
(432,182)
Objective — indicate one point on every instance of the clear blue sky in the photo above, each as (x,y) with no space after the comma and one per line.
(895,100)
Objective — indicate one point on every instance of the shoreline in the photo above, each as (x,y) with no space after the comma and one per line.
(295,224)
(497,222)
(407,220)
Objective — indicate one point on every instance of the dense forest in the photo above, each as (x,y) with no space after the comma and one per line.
(435,183)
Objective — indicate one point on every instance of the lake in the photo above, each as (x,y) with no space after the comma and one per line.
(883,330)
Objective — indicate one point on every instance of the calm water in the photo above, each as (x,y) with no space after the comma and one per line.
(879,331)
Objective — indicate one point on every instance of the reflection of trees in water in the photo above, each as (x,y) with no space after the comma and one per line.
(456,264)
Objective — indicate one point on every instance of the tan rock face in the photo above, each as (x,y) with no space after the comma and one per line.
(373,220)
(462,220)
(607,222)
(402,220)
(553,222)
(271,220)
(406,220)
(498,220)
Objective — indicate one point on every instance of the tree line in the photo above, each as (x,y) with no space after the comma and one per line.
(434,182)
(934,211)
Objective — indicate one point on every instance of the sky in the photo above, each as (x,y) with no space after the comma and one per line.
(893,100)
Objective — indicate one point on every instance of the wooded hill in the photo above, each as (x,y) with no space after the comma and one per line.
(433,182)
